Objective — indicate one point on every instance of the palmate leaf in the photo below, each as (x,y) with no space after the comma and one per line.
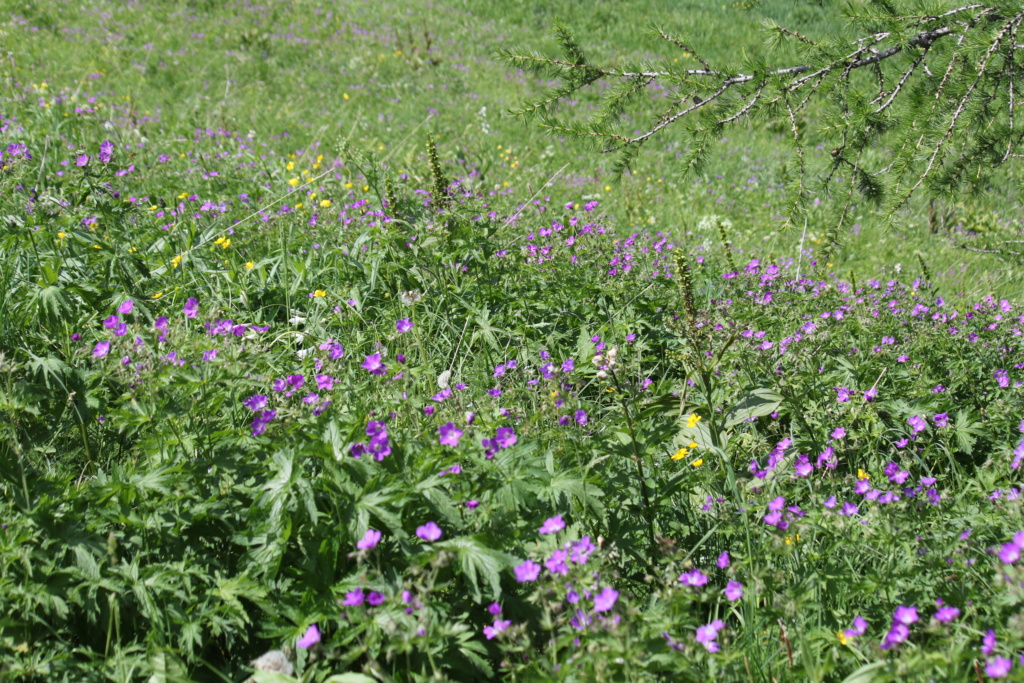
(966,431)
(479,563)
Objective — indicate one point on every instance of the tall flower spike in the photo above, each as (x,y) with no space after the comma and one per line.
(726,244)
(440,189)
(686,284)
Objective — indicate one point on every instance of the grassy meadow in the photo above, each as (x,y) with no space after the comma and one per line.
(317,365)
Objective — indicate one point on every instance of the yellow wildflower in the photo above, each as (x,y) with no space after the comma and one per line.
(692,421)
(325,203)
(250,265)
(293,182)
(61,235)
(861,474)
(681,453)
(290,166)
(319,292)
(175,261)
(698,462)
(157,295)
(226,244)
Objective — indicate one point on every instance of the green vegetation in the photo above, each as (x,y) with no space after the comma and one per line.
(317,365)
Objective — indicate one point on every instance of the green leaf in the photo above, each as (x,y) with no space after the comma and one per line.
(478,563)
(757,403)
(350,677)
(866,673)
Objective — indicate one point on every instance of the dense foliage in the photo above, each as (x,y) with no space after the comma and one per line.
(296,412)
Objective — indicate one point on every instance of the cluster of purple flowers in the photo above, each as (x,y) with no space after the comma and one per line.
(577,552)
(779,516)
(898,476)
(774,458)
(707,635)
(504,437)
(379,445)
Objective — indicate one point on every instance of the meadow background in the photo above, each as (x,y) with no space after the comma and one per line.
(309,347)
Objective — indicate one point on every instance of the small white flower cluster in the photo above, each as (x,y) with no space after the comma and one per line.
(274,661)
(605,362)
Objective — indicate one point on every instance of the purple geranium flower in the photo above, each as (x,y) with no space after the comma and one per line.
(905,615)
(988,642)
(605,600)
(191,307)
(527,571)
(707,635)
(101,349)
(429,532)
(733,591)
(1009,553)
(354,598)
(404,325)
(694,578)
(498,627)
(310,638)
(552,525)
(998,667)
(374,365)
(505,437)
(859,627)
(369,540)
(450,434)
(255,403)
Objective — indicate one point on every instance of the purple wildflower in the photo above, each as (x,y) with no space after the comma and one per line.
(527,571)
(694,578)
(605,600)
(255,403)
(505,437)
(859,627)
(450,434)
(310,638)
(369,540)
(429,532)
(552,525)
(374,365)
(499,626)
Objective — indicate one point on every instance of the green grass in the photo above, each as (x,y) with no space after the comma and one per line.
(179,481)
(285,73)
